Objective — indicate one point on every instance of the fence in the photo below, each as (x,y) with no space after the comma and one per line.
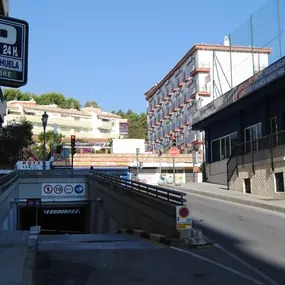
(265,148)
(265,29)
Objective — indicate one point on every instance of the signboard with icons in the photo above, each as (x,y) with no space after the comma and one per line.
(63,189)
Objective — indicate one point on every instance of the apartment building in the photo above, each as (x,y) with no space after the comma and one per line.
(202,75)
(87,124)
(4,10)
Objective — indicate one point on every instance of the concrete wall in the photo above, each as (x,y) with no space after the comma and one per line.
(263,181)
(131,210)
(30,187)
(217,172)
(7,200)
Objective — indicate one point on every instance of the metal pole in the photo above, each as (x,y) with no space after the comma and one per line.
(137,156)
(231,62)
(204,163)
(279,27)
(252,47)
(193,154)
(72,162)
(37,213)
(173,169)
(159,166)
(44,150)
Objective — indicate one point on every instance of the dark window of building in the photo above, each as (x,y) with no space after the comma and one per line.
(223,147)
(279,182)
(273,125)
(216,150)
(247,187)
(251,136)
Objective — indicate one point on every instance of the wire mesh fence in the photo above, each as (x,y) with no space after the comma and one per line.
(255,44)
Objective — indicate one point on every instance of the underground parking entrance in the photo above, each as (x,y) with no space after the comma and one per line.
(55,219)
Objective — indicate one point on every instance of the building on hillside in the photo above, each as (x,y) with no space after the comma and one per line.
(87,125)
(124,128)
(4,11)
(202,75)
(245,134)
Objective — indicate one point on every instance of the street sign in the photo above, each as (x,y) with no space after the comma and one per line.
(34,202)
(183,218)
(173,151)
(14,37)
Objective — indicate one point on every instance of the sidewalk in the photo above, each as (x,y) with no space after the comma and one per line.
(220,192)
(13,252)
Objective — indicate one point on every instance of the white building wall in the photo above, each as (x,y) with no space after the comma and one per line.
(128,145)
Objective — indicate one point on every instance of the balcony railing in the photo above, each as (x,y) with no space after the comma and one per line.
(268,147)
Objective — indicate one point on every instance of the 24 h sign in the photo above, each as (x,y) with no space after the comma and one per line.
(13,52)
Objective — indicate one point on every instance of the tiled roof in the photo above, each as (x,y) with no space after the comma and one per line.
(196,47)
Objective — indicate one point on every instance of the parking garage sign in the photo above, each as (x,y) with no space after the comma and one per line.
(13,52)
(63,189)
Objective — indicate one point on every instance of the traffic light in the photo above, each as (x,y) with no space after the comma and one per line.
(73,149)
(137,151)
(72,140)
(173,141)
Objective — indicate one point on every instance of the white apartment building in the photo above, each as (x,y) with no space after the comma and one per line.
(89,123)
(4,10)
(203,74)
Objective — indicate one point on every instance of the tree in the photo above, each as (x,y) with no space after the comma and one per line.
(49,142)
(137,123)
(15,94)
(92,104)
(13,139)
(44,99)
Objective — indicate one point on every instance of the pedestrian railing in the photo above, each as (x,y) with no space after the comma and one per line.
(171,196)
(7,179)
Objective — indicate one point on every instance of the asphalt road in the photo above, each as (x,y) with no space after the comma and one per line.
(255,235)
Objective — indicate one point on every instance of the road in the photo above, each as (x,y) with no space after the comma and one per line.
(123,259)
(255,235)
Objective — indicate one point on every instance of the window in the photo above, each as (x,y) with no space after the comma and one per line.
(273,125)
(279,182)
(223,147)
(251,136)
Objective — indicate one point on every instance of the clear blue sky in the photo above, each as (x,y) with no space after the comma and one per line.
(113,51)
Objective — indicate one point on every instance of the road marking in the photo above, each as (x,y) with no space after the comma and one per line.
(258,272)
(219,265)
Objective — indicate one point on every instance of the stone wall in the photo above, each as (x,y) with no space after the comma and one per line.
(262,181)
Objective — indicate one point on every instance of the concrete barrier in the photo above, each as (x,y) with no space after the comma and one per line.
(28,277)
(132,210)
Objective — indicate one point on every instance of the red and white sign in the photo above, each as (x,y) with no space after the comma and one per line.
(173,151)
(63,190)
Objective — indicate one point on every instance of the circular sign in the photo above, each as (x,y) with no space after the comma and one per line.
(78,189)
(48,189)
(173,151)
(184,212)
(58,189)
(68,189)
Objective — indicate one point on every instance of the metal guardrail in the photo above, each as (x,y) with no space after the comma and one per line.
(7,179)
(171,196)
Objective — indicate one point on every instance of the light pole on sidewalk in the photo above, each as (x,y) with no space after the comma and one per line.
(44,122)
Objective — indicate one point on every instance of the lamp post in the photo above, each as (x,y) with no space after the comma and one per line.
(44,121)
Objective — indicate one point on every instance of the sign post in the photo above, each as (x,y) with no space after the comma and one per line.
(14,38)
(184,221)
(173,151)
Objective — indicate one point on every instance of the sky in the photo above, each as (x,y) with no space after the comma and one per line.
(113,51)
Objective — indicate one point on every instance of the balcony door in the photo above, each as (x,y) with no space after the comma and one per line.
(251,136)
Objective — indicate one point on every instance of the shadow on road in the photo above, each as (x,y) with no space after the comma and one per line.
(235,246)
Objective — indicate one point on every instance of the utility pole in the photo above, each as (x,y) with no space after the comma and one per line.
(137,156)
(174,144)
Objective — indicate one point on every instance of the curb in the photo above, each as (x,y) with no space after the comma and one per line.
(28,277)
(239,201)
(159,238)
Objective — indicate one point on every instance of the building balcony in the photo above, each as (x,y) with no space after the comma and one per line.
(200,67)
(267,150)
(51,121)
(105,126)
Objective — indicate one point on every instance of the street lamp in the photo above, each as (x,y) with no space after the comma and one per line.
(44,121)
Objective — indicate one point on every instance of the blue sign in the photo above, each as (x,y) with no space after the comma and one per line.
(78,189)
(13,52)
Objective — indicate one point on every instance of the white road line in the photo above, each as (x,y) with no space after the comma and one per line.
(219,265)
(258,272)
